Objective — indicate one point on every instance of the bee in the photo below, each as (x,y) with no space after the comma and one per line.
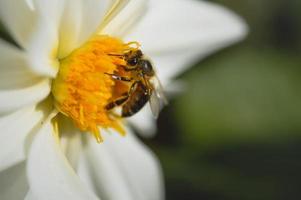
(144,86)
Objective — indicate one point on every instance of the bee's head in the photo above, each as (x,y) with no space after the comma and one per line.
(133,57)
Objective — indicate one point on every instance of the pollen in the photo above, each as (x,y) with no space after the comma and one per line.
(83,87)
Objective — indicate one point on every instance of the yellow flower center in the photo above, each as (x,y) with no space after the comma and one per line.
(82,88)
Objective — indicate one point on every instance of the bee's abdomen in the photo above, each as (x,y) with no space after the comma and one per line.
(136,101)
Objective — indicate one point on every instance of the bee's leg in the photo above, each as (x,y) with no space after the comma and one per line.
(120,78)
(117,55)
(148,86)
(132,88)
(128,68)
(119,101)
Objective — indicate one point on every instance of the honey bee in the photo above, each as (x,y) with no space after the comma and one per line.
(144,86)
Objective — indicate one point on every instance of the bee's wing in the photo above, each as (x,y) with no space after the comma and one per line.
(158,98)
(155,105)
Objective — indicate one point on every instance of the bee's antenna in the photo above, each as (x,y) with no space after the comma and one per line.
(137,44)
(118,55)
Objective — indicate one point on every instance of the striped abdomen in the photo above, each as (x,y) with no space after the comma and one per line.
(136,100)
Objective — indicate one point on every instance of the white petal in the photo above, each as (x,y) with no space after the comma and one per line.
(70,26)
(29,196)
(99,170)
(50,11)
(93,15)
(42,52)
(49,174)
(177,24)
(139,166)
(98,174)
(30,4)
(13,183)
(16,128)
(43,47)
(19,20)
(184,30)
(14,99)
(170,64)
(14,68)
(80,20)
(70,139)
(144,122)
(128,14)
(123,168)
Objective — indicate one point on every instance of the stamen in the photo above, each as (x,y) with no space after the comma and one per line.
(82,87)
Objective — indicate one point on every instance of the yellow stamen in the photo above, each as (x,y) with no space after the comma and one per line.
(82,89)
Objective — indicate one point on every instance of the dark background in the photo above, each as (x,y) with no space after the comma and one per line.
(235,134)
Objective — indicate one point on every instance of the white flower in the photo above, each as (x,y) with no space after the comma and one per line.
(72,165)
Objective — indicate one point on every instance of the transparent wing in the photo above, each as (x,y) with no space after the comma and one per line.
(155,106)
(158,99)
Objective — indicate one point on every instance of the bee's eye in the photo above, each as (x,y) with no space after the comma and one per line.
(132,61)
(146,67)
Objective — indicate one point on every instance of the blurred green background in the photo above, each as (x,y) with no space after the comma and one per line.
(235,134)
